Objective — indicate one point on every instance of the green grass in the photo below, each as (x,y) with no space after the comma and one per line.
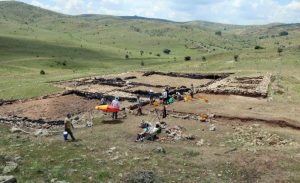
(65,47)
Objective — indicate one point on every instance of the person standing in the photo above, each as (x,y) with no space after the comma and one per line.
(164,112)
(139,105)
(165,97)
(103,101)
(115,104)
(192,91)
(68,126)
(151,97)
(168,93)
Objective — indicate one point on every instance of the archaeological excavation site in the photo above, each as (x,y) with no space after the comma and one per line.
(226,94)
(228,117)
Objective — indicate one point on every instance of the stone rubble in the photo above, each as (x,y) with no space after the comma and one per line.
(8,179)
(176,133)
(253,135)
(212,127)
(10,167)
(246,86)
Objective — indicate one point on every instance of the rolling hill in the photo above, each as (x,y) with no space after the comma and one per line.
(64,46)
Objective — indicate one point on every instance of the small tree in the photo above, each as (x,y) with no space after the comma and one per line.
(166,51)
(187,58)
(203,58)
(142,52)
(279,51)
(126,56)
(236,57)
(42,72)
(219,33)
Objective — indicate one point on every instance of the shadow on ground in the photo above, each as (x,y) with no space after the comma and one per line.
(112,122)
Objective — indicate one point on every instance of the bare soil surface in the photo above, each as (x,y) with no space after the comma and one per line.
(96,88)
(239,106)
(49,108)
(171,81)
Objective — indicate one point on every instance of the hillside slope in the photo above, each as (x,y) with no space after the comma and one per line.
(32,39)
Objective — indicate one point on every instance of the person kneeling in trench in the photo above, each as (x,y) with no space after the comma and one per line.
(68,126)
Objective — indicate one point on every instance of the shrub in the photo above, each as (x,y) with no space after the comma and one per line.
(236,57)
(142,63)
(203,58)
(142,52)
(283,33)
(187,58)
(279,50)
(257,47)
(158,55)
(42,72)
(166,51)
(150,53)
(126,56)
(219,33)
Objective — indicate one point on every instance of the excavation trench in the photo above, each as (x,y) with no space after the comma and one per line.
(213,76)
(274,122)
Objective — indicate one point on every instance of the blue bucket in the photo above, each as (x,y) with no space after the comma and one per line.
(65,135)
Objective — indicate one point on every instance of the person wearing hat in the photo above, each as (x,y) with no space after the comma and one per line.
(68,126)
(116,104)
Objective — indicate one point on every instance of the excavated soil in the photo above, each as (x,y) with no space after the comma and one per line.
(96,88)
(49,108)
(171,81)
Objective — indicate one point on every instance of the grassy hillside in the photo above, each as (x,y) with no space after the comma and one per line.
(34,39)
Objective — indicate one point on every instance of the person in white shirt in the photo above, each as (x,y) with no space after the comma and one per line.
(116,104)
(165,97)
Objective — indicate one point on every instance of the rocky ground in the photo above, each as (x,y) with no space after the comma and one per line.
(187,150)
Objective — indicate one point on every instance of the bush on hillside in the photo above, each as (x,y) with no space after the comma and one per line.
(236,57)
(126,56)
(257,47)
(158,55)
(283,33)
(219,33)
(279,51)
(203,58)
(187,58)
(166,51)
(42,72)
(142,63)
